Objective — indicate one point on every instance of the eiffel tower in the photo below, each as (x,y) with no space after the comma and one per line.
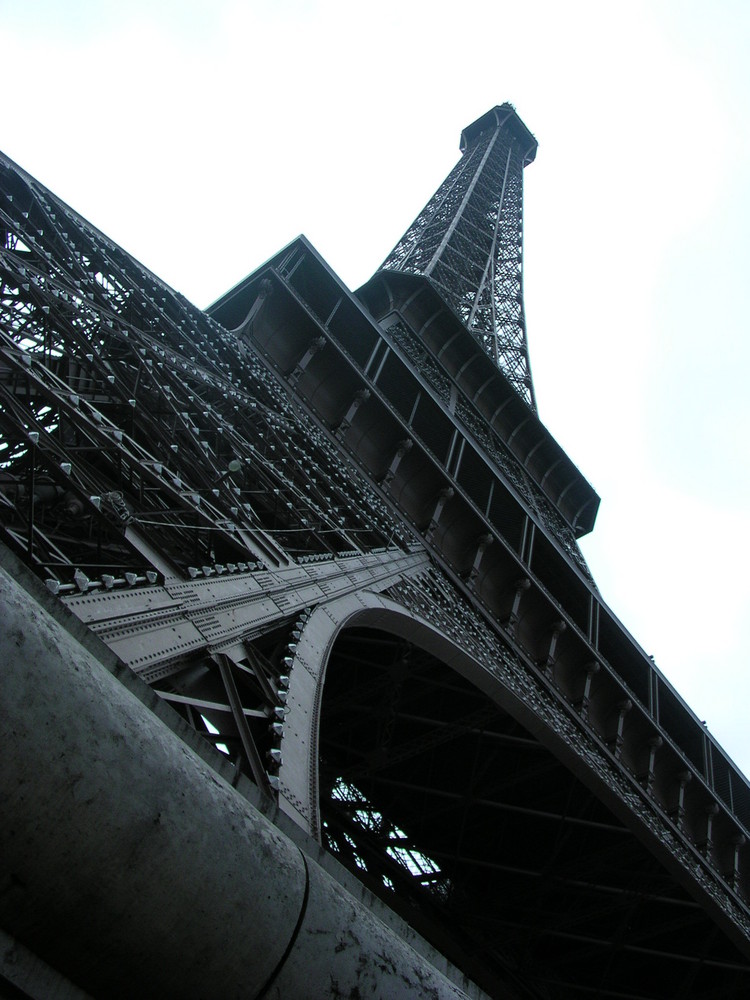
(307,689)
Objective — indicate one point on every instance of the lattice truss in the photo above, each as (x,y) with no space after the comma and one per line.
(237,703)
(131,423)
(469,241)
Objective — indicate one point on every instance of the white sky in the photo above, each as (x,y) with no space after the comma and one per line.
(203,136)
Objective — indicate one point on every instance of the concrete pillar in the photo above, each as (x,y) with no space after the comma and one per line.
(131,866)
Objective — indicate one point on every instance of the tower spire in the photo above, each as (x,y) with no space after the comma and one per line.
(468,240)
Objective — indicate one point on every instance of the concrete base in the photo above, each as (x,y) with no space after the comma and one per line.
(129,865)
(23,974)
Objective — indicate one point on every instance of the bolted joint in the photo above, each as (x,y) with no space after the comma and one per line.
(684,778)
(522,586)
(558,628)
(655,743)
(623,707)
(706,845)
(592,669)
(360,397)
(737,841)
(482,543)
(245,328)
(299,369)
(443,497)
(403,447)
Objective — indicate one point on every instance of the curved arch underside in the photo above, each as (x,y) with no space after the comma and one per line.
(465,823)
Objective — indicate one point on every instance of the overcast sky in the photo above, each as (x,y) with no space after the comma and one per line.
(203,136)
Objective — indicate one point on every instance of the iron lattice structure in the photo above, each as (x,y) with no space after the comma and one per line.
(335,540)
(127,412)
(468,240)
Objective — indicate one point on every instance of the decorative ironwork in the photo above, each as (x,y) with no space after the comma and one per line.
(131,423)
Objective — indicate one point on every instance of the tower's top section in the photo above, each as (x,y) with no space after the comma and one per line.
(468,240)
(501,116)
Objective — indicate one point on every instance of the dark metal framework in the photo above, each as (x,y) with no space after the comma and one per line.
(457,815)
(468,240)
(221,497)
(127,413)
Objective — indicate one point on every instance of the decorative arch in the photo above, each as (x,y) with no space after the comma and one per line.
(298,775)
(482,821)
